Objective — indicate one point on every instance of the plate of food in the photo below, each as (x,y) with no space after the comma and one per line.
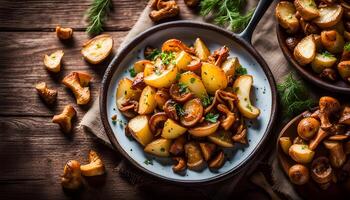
(314,148)
(314,37)
(189,102)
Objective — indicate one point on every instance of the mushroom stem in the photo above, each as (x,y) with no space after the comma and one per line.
(321,134)
(337,155)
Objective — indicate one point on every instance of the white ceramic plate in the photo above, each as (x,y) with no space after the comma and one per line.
(263,96)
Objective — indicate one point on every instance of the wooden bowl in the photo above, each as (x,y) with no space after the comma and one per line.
(310,190)
(306,71)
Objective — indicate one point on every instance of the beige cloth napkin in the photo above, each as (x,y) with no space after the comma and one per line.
(265,41)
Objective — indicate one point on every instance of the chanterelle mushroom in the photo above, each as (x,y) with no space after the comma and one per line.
(328,105)
(321,134)
(219,56)
(95,166)
(218,161)
(53,62)
(195,160)
(48,95)
(71,178)
(180,164)
(64,119)
(337,155)
(165,9)
(78,83)
(64,33)
(229,119)
(156,122)
(321,171)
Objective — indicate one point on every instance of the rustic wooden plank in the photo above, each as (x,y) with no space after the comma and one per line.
(44,15)
(22,62)
(34,153)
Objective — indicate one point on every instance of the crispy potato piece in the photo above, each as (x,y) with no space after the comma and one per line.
(147,102)
(285,143)
(329,16)
(172,130)
(332,41)
(305,51)
(213,77)
(307,9)
(125,93)
(140,130)
(201,50)
(194,84)
(301,153)
(162,80)
(230,65)
(243,85)
(344,70)
(159,147)
(53,62)
(221,138)
(323,61)
(285,14)
(97,49)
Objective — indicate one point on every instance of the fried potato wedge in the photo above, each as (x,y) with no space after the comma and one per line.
(97,49)
(329,16)
(201,49)
(323,61)
(159,147)
(307,9)
(285,14)
(140,130)
(53,62)
(213,77)
(305,51)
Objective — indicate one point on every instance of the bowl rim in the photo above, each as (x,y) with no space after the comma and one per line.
(307,74)
(188,23)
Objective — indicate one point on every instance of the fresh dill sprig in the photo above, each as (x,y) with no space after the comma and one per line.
(294,97)
(227,12)
(96,15)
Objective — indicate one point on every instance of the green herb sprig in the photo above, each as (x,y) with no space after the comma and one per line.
(96,14)
(294,97)
(211,117)
(227,12)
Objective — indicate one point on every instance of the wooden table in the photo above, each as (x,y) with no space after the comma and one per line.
(33,150)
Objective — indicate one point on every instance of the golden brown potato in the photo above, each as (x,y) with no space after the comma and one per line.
(344,70)
(221,138)
(53,62)
(299,174)
(307,128)
(201,50)
(243,85)
(140,130)
(159,147)
(322,61)
(97,49)
(329,16)
(147,102)
(172,130)
(307,9)
(213,78)
(182,60)
(285,14)
(301,153)
(332,41)
(305,51)
(230,65)
(285,143)
(139,66)
(125,94)
(194,84)
(162,79)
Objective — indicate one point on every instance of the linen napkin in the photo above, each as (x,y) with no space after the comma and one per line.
(265,41)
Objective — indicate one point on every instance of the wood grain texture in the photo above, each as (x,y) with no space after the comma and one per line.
(44,15)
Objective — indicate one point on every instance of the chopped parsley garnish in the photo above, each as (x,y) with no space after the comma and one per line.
(211,117)
(178,75)
(148,162)
(326,54)
(192,80)
(166,57)
(179,110)
(132,72)
(240,71)
(153,54)
(347,46)
(206,101)
(182,88)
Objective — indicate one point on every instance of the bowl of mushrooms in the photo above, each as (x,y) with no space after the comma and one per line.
(314,148)
(314,37)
